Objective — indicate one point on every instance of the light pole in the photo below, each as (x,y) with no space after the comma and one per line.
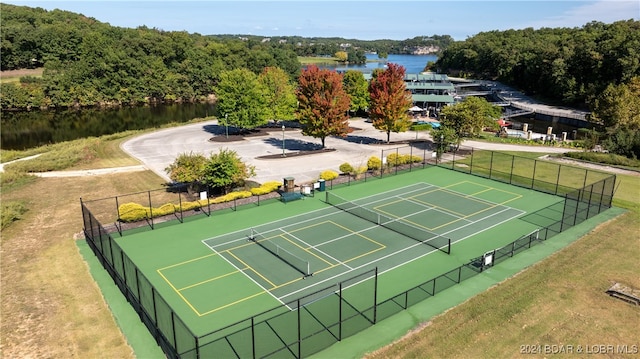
(283,155)
(226,125)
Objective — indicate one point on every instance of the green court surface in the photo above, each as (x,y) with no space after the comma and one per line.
(218,270)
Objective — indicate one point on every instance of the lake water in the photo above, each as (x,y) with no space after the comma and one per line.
(413,64)
(27,129)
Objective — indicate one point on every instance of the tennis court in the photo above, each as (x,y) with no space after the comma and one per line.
(273,279)
(259,266)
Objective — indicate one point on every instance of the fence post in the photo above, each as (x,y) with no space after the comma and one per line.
(558,178)
(339,311)
(513,159)
(118,220)
(173,329)
(533,177)
(375,297)
(150,210)
(491,164)
(396,164)
(299,332)
(253,337)
(471,163)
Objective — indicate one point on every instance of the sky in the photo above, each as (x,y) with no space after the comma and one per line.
(362,20)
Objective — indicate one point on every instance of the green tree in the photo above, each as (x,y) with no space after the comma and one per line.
(188,168)
(618,106)
(342,56)
(442,138)
(226,170)
(383,55)
(279,94)
(323,104)
(469,117)
(241,99)
(357,88)
(390,101)
(618,109)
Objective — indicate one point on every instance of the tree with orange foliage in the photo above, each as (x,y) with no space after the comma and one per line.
(390,101)
(322,103)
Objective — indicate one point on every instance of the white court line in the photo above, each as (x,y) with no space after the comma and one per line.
(408,248)
(310,246)
(288,221)
(251,279)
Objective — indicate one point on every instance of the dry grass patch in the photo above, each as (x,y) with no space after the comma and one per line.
(559,301)
(51,307)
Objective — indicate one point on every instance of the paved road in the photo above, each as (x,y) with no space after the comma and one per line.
(158,149)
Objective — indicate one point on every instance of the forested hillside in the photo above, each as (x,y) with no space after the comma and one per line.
(565,65)
(89,63)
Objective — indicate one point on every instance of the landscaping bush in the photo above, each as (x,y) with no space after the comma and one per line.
(358,172)
(346,168)
(232,196)
(374,163)
(265,188)
(328,175)
(131,212)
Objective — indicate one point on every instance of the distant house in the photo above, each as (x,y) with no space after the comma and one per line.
(429,91)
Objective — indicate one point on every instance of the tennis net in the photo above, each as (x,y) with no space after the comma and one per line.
(289,258)
(395,224)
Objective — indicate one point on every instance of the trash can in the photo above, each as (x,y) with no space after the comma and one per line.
(288,184)
(322,185)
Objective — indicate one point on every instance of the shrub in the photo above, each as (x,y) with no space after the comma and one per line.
(374,163)
(232,196)
(131,212)
(265,188)
(346,168)
(11,212)
(411,159)
(360,170)
(328,175)
(394,160)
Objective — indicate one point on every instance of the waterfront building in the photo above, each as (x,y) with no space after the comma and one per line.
(430,91)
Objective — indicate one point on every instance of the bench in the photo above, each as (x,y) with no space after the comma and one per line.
(290,196)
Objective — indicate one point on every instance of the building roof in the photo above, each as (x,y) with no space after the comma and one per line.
(432,98)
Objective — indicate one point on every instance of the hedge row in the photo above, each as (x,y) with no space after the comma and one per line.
(132,212)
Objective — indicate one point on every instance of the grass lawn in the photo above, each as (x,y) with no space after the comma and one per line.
(51,306)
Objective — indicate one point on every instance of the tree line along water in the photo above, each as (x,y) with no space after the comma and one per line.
(27,129)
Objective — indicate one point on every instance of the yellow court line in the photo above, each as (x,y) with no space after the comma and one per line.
(358,234)
(230,304)
(249,267)
(362,255)
(212,279)
(190,260)
(483,191)
(286,283)
(493,188)
(304,249)
(179,294)
(437,207)
(309,226)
